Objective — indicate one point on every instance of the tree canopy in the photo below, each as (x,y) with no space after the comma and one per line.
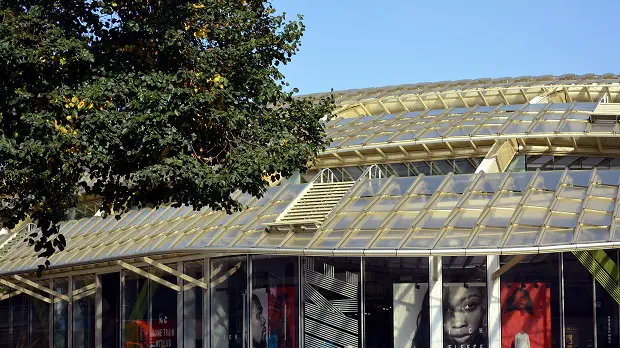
(144,103)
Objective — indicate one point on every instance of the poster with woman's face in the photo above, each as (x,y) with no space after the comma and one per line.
(465,315)
(272,317)
(526,315)
(411,326)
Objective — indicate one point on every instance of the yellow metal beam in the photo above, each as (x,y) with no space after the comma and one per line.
(148,275)
(176,273)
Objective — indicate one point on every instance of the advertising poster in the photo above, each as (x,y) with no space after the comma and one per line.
(464,315)
(411,328)
(526,315)
(272,317)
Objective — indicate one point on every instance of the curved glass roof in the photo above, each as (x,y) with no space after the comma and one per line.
(549,120)
(353,96)
(464,214)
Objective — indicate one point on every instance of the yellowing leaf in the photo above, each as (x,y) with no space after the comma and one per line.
(81,105)
(75,99)
(199,6)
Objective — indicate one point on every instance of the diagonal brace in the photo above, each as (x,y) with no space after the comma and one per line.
(42,288)
(176,273)
(148,275)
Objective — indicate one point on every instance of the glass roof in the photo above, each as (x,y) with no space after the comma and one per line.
(452,214)
(355,95)
(458,124)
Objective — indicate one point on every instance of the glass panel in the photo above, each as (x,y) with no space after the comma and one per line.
(19,320)
(589,235)
(604,191)
(274,312)
(84,311)
(415,203)
(488,238)
(523,236)
(498,217)
(61,314)
(574,127)
(531,216)
(548,180)
(341,221)
(568,205)
(397,300)
(464,301)
(596,219)
(5,320)
(606,313)
(111,305)
(600,204)
(228,302)
(563,220)
(370,188)
(332,283)
(433,219)
(401,220)
(39,324)
(357,204)
(554,237)
(530,301)
(539,199)
(163,300)
(518,181)
(371,221)
(136,328)
(466,218)
(385,204)
(578,292)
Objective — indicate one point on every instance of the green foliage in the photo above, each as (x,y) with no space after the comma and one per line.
(145,102)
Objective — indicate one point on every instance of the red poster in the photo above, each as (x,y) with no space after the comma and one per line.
(526,315)
(281,323)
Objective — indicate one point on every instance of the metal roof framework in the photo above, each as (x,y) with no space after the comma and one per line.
(558,128)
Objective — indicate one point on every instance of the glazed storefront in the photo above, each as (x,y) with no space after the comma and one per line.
(541,300)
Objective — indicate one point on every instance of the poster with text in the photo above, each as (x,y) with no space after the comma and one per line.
(464,315)
(411,328)
(526,315)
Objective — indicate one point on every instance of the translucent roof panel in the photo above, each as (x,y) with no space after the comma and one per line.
(459,212)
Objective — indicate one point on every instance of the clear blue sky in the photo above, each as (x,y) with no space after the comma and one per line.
(364,43)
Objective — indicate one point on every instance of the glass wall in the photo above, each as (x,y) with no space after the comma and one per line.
(265,301)
(396,302)
(530,301)
(464,302)
(229,302)
(332,302)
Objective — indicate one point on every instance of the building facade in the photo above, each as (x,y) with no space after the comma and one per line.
(467,214)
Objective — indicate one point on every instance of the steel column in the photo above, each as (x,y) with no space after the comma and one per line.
(494,312)
(99,312)
(562,323)
(206,304)
(435,286)
(180,313)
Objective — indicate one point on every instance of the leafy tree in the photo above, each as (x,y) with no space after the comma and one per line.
(145,102)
